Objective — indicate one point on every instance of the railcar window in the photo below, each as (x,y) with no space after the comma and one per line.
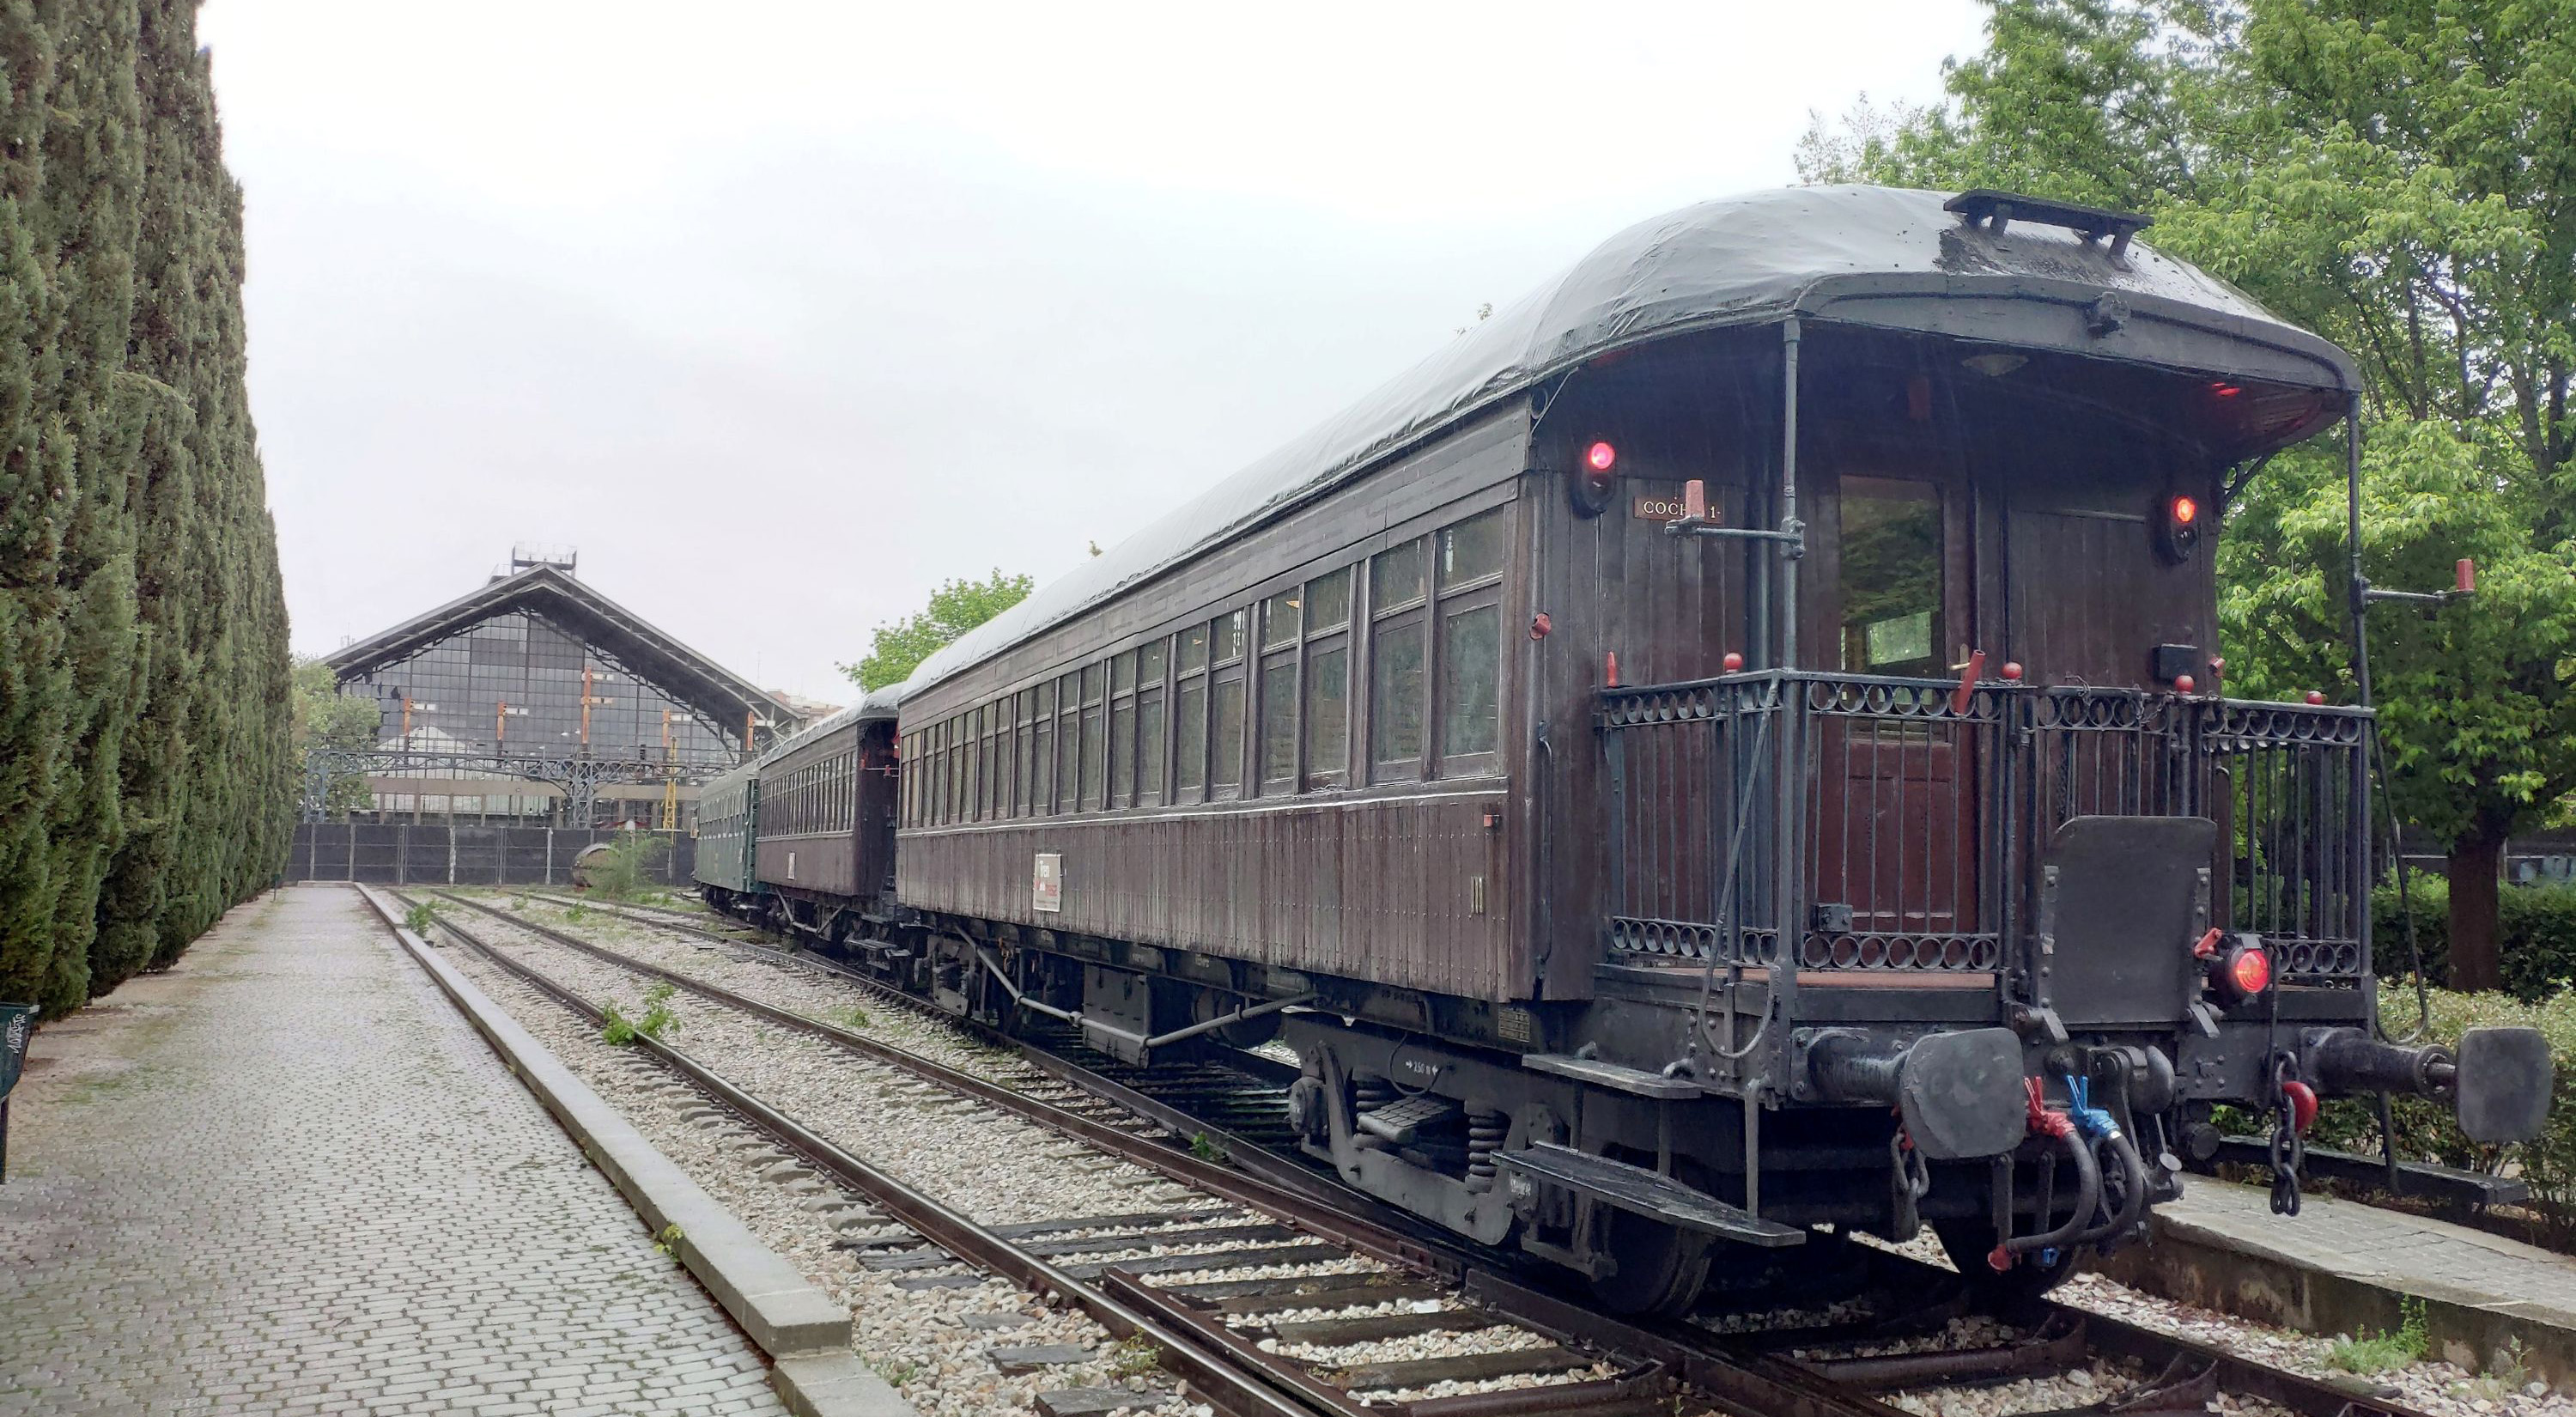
(1472,550)
(1227,630)
(1095,743)
(1149,664)
(1891,576)
(1470,666)
(970,801)
(1068,739)
(1328,602)
(1149,741)
(1328,711)
(1024,751)
(1194,649)
(1225,733)
(994,762)
(1279,620)
(1395,698)
(1122,730)
(1042,755)
(1395,578)
(1279,720)
(1189,734)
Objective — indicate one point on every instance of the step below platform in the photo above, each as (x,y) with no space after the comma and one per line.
(1642,1192)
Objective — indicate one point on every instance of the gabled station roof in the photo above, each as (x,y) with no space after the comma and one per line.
(615,632)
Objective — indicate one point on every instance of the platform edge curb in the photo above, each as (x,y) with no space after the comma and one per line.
(2205,1266)
(805,1335)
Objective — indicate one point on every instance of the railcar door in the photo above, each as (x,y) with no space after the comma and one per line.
(1892,806)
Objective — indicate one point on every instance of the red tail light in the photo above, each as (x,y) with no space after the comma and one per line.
(1600,457)
(2249,969)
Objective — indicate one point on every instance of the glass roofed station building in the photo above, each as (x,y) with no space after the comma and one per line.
(536,701)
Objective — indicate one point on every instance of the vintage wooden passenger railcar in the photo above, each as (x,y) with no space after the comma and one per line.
(803,836)
(1732,745)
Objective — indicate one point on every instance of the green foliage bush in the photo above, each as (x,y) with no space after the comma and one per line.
(624,872)
(2536,935)
(146,779)
(2426,1130)
(656,1020)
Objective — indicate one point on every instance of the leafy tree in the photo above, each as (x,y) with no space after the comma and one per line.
(2401,178)
(325,718)
(896,649)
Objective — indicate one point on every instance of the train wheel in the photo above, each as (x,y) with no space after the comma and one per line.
(1968,1243)
(1661,1268)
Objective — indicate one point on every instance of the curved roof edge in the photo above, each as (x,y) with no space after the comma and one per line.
(877,706)
(1740,260)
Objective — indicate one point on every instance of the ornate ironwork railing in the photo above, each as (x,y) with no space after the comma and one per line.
(577,774)
(1898,824)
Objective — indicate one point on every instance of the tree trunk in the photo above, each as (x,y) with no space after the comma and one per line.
(2477,865)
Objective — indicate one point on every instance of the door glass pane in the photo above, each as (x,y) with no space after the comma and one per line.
(1149,747)
(1471,646)
(1891,577)
(1225,734)
(1328,709)
(1395,694)
(1189,736)
(1472,549)
(1279,718)
(1395,577)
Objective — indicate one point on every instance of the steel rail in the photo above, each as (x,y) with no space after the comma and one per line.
(1340,1226)
(1736,1376)
(1742,1383)
(1281,1171)
(1220,1381)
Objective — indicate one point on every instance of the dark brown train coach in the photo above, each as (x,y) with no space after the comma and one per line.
(1727,754)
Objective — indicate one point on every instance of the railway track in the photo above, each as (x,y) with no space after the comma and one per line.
(1289,1328)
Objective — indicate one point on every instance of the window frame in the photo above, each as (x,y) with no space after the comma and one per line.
(1235,673)
(1445,601)
(1315,642)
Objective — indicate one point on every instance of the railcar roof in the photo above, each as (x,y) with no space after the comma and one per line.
(876,705)
(1738,260)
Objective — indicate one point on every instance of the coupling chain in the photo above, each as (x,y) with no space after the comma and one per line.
(2289,1148)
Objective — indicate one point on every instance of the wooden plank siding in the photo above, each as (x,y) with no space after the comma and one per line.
(1366,879)
(1368,889)
(824,860)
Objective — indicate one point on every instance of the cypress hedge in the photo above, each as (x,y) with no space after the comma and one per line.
(145,777)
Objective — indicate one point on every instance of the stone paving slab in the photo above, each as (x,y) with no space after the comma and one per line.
(2389,1248)
(286,1177)
(2345,1267)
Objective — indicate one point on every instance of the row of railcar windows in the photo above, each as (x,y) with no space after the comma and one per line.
(1260,701)
(822,796)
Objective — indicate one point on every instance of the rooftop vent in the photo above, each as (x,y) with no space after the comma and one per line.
(1995,211)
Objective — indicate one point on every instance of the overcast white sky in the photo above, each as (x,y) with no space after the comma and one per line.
(784,313)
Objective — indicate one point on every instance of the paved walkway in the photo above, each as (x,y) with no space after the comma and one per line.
(286,1177)
(2387,1248)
